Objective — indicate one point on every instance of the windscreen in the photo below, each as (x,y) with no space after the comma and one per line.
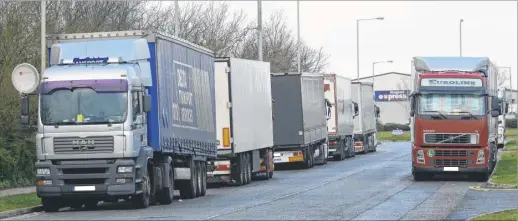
(84,103)
(451,104)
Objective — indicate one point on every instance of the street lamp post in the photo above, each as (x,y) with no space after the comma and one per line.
(358,43)
(373,65)
(259,31)
(298,37)
(460,36)
(43,20)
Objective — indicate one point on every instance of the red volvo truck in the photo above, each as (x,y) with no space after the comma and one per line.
(454,113)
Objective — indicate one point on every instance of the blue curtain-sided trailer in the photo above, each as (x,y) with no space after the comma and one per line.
(177,81)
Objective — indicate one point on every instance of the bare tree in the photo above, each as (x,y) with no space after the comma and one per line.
(280,48)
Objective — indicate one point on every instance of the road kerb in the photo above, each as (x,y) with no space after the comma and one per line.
(19,212)
(479,188)
(483,214)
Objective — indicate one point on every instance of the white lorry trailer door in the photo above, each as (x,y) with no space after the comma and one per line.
(346,109)
(330,94)
(251,98)
(222,105)
(355,95)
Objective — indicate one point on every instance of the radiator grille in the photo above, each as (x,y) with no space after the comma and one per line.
(100,144)
(447,138)
(454,153)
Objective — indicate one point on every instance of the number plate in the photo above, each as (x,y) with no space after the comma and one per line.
(277,159)
(84,188)
(451,169)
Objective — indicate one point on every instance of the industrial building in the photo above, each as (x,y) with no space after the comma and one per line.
(391,91)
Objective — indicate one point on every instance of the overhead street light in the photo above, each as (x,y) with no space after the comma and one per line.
(373,65)
(358,42)
(460,36)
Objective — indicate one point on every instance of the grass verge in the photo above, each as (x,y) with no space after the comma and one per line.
(387,135)
(505,172)
(511,214)
(511,132)
(511,145)
(19,201)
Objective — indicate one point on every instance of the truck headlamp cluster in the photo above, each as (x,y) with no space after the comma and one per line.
(43,171)
(125,169)
(481,157)
(420,156)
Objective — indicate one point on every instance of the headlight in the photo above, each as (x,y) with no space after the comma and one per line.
(473,139)
(420,156)
(43,171)
(481,157)
(125,169)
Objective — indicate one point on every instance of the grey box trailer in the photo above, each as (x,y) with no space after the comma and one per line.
(243,121)
(341,115)
(365,122)
(299,125)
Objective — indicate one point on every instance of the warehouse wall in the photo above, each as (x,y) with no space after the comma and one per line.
(392,111)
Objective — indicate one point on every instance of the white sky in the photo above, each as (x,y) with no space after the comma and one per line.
(410,28)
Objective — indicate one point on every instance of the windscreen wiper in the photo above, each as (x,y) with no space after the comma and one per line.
(438,112)
(467,112)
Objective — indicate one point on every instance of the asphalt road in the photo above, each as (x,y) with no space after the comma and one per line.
(376,186)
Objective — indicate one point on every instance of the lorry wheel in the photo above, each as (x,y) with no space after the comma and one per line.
(204,178)
(312,157)
(188,187)
(500,146)
(199,178)
(166,196)
(50,205)
(248,168)
(326,153)
(141,200)
(307,158)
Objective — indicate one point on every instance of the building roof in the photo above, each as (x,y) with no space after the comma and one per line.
(378,75)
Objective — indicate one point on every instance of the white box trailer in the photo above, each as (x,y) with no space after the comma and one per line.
(504,106)
(365,122)
(243,121)
(340,122)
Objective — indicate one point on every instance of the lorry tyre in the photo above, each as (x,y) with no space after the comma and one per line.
(500,146)
(50,205)
(312,157)
(237,170)
(248,160)
(199,178)
(188,187)
(204,178)
(141,200)
(325,148)
(307,160)
(422,176)
(166,196)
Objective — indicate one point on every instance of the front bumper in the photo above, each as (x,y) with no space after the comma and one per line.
(442,169)
(89,179)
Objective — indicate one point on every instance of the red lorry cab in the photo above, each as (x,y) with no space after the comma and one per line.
(454,113)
